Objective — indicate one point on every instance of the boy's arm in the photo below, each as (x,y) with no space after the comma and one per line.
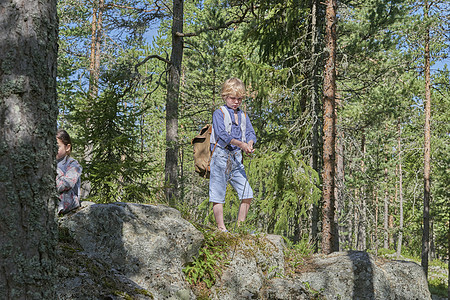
(246,147)
(221,134)
(250,134)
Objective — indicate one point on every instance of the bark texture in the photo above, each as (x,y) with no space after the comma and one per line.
(28,110)
(329,228)
(173,89)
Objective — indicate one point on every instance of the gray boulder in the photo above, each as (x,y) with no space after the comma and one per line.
(252,262)
(135,251)
(256,271)
(359,275)
(146,244)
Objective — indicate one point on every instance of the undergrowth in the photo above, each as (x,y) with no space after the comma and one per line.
(297,254)
(203,272)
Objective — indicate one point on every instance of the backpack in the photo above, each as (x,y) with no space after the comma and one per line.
(202,143)
(202,151)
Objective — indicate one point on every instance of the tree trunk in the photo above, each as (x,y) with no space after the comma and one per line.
(356,218)
(28,111)
(386,207)
(94,61)
(391,225)
(329,228)
(339,176)
(314,116)
(400,192)
(362,244)
(173,88)
(375,247)
(94,74)
(427,149)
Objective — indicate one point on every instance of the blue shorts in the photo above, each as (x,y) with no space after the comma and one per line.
(226,166)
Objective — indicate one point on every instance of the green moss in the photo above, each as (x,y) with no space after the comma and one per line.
(108,283)
(143,292)
(14,86)
(8,63)
(64,235)
(123,295)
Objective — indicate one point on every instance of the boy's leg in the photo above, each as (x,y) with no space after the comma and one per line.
(243,210)
(218,185)
(242,186)
(218,215)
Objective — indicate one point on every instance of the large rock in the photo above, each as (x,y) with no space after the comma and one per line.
(133,251)
(359,275)
(253,261)
(147,244)
(256,271)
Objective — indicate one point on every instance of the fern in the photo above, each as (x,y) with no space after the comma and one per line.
(207,266)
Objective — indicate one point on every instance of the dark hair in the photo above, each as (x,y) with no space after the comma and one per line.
(64,137)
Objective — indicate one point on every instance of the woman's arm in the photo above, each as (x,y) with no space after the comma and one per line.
(66,181)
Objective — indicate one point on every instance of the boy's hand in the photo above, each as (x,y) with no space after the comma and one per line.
(247,148)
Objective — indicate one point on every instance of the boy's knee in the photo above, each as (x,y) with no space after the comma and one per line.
(247,201)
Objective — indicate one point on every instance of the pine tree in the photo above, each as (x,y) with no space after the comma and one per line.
(28,233)
(329,228)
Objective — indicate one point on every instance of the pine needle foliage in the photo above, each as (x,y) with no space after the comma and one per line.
(286,187)
(116,169)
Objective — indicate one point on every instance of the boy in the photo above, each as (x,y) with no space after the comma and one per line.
(227,144)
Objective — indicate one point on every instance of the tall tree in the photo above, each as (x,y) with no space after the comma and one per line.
(94,74)
(426,148)
(315,110)
(400,190)
(173,89)
(362,227)
(96,39)
(28,110)
(386,201)
(329,228)
(339,174)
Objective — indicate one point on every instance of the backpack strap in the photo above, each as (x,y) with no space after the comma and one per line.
(227,122)
(214,148)
(244,126)
(226,119)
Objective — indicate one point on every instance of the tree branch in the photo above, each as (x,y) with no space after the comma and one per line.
(241,19)
(150,57)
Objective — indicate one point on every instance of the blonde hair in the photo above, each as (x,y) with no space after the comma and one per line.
(233,87)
